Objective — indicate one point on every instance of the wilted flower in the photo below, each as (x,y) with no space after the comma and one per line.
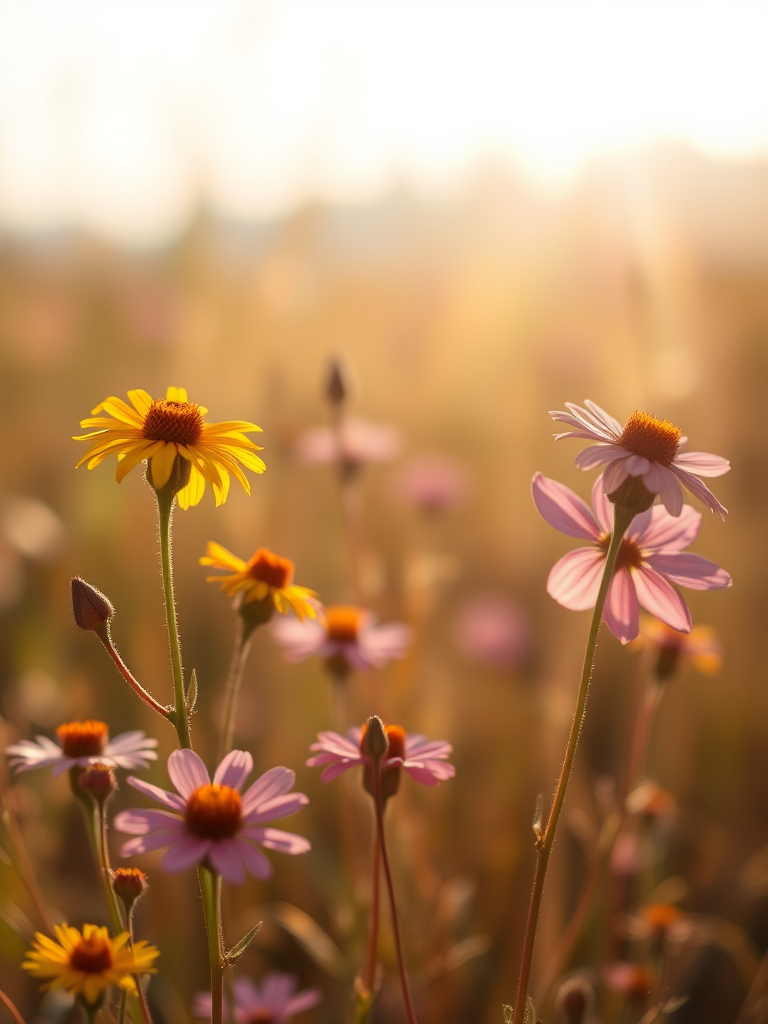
(431,483)
(83,743)
(651,555)
(265,576)
(87,963)
(493,630)
(214,823)
(273,1001)
(170,434)
(345,633)
(357,441)
(644,447)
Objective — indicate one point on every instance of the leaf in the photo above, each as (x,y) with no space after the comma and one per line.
(190,698)
(530,1013)
(234,954)
(311,936)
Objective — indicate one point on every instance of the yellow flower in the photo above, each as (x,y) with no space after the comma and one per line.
(266,575)
(87,963)
(167,431)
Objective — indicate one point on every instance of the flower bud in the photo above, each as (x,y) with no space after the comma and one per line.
(254,613)
(374,742)
(129,884)
(632,495)
(98,781)
(91,609)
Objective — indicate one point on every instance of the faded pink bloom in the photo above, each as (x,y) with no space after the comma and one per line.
(83,744)
(431,483)
(493,630)
(343,632)
(423,759)
(646,447)
(651,555)
(361,442)
(273,1001)
(215,824)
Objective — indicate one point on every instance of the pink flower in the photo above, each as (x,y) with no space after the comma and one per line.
(215,823)
(423,759)
(646,447)
(493,630)
(651,555)
(273,1001)
(83,743)
(431,483)
(343,632)
(361,442)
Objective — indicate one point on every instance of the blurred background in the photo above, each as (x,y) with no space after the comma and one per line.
(485,211)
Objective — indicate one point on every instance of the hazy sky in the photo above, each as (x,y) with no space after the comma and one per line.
(119,116)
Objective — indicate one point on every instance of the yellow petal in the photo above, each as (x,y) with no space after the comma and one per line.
(162,464)
(218,556)
(120,410)
(141,401)
(176,395)
(193,492)
(132,459)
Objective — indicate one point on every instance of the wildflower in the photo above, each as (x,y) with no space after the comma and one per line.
(356,442)
(265,576)
(658,923)
(98,781)
(345,635)
(651,555)
(172,436)
(423,759)
(83,743)
(273,1001)
(87,963)
(215,823)
(129,884)
(701,647)
(431,484)
(630,980)
(644,447)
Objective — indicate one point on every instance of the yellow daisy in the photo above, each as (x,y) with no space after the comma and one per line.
(87,963)
(266,575)
(162,429)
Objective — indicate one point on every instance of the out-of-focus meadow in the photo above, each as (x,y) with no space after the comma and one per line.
(463,319)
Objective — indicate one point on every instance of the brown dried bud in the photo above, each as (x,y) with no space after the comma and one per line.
(129,884)
(575,1000)
(336,388)
(91,609)
(98,781)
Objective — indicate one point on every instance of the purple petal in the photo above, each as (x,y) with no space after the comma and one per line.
(254,859)
(598,455)
(186,852)
(690,570)
(380,644)
(662,481)
(278,807)
(187,772)
(162,796)
(637,465)
(702,463)
(234,769)
(702,492)
(275,782)
(615,474)
(429,773)
(334,770)
(303,1001)
(130,743)
(335,743)
(604,513)
(277,839)
(667,532)
(421,748)
(139,823)
(223,857)
(561,508)
(604,418)
(575,580)
(661,599)
(145,844)
(621,612)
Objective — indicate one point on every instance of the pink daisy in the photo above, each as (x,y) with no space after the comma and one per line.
(358,442)
(83,743)
(273,1001)
(346,633)
(651,555)
(646,447)
(423,759)
(215,823)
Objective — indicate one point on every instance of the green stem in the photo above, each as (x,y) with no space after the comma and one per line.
(210,887)
(98,831)
(545,839)
(165,502)
(234,680)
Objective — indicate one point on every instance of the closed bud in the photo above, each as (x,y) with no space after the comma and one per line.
(129,884)
(575,1000)
(374,742)
(91,609)
(98,781)
(336,388)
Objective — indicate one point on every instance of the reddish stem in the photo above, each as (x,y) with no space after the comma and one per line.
(125,672)
(373,941)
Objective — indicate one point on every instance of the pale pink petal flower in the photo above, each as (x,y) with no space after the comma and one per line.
(274,1000)
(431,483)
(644,447)
(358,441)
(344,632)
(650,557)
(423,759)
(83,743)
(215,824)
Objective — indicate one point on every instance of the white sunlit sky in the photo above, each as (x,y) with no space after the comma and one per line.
(122,117)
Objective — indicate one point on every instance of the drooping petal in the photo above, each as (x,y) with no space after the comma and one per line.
(187,772)
(162,464)
(702,492)
(661,599)
(690,570)
(668,489)
(702,463)
(561,508)
(621,611)
(575,580)
(603,508)
(234,769)
(615,474)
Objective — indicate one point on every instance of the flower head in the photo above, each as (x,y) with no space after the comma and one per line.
(87,963)
(83,743)
(356,442)
(644,447)
(171,434)
(701,647)
(273,1001)
(650,559)
(423,759)
(346,636)
(265,576)
(215,823)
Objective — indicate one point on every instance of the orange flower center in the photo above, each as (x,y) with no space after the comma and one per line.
(342,622)
(214,812)
(177,422)
(396,737)
(93,955)
(639,982)
(81,739)
(661,916)
(271,569)
(654,439)
(629,556)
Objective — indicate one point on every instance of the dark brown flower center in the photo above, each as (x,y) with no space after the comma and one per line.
(177,422)
(93,955)
(214,812)
(83,739)
(629,556)
(654,439)
(261,1017)
(271,569)
(342,622)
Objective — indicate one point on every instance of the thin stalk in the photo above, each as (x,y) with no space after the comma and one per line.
(146,1015)
(232,691)
(210,887)
(545,839)
(381,840)
(165,502)
(369,977)
(98,834)
(9,1005)
(350,519)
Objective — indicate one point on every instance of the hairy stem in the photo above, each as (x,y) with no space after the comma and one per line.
(232,692)
(125,672)
(210,887)
(165,502)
